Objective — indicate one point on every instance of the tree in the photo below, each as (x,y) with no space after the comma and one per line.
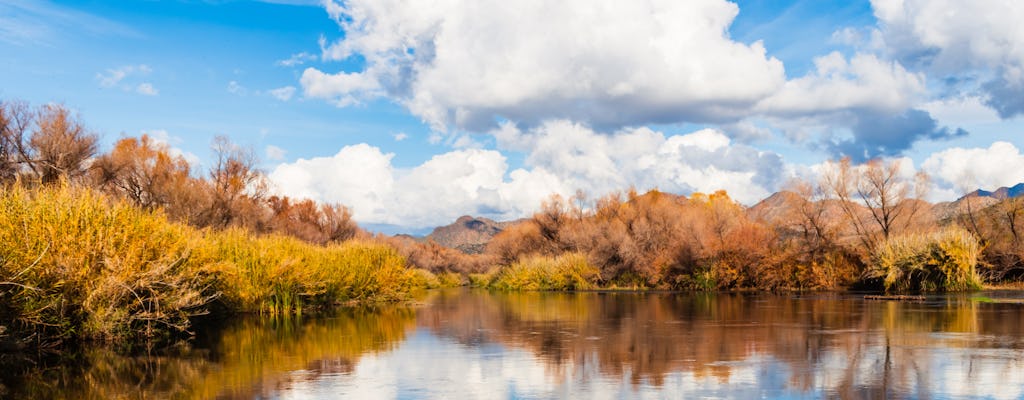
(891,201)
(15,120)
(143,171)
(237,186)
(60,146)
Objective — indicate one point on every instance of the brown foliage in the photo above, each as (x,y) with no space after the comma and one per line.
(144,172)
(312,222)
(237,187)
(60,145)
(436,258)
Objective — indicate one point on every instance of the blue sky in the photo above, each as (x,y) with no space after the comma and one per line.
(416,112)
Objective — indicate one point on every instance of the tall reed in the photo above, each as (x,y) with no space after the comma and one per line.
(944,260)
(280,274)
(569,271)
(75,264)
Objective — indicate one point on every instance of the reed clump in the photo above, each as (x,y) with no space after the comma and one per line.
(75,264)
(569,271)
(944,260)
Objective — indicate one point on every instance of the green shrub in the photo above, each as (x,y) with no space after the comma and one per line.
(941,261)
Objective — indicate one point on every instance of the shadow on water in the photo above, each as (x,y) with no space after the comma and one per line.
(733,345)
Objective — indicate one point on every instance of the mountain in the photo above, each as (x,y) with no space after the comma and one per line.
(468,234)
(1002,193)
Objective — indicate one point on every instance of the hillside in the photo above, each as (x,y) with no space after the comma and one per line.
(468,234)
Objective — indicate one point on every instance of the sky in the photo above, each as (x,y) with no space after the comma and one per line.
(413,113)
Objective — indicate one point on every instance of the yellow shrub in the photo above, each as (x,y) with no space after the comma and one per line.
(569,271)
(943,260)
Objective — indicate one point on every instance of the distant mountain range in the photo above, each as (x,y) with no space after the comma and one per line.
(1002,193)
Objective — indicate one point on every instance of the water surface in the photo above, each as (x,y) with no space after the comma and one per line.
(474,344)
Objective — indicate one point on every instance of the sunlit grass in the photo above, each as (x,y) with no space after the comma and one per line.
(72,263)
(569,271)
(75,264)
(941,261)
(280,274)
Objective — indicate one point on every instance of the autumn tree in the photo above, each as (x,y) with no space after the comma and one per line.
(237,186)
(60,146)
(312,222)
(143,171)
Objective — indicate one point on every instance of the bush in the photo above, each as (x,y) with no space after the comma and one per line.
(72,264)
(566,272)
(941,261)
(76,265)
(280,274)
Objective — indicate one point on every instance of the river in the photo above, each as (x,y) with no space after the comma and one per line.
(465,344)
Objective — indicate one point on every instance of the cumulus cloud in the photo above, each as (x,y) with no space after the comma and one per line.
(463,64)
(283,93)
(964,169)
(400,136)
(868,101)
(837,84)
(962,40)
(563,156)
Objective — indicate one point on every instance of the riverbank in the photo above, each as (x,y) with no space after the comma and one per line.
(78,265)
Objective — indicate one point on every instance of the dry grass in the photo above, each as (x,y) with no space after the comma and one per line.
(569,271)
(76,265)
(944,260)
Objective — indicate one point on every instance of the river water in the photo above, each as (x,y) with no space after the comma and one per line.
(466,344)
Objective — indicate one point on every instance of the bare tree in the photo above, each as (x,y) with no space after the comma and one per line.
(60,146)
(15,120)
(891,201)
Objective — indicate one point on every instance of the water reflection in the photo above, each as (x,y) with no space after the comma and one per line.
(466,344)
(248,358)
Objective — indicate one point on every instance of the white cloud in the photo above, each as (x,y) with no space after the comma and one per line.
(967,40)
(122,77)
(961,170)
(961,111)
(283,93)
(342,89)
(838,84)
(275,153)
(564,156)
(463,63)
(236,88)
(146,89)
(163,137)
(400,136)
(296,60)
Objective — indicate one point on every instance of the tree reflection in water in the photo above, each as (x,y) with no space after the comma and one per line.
(466,344)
